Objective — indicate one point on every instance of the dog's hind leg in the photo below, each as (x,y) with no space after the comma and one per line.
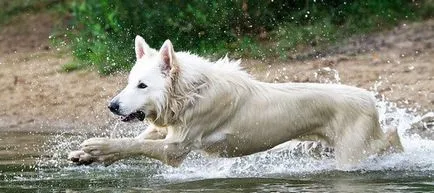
(365,138)
(359,140)
(387,143)
(394,140)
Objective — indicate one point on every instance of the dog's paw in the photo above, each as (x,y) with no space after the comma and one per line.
(100,146)
(100,150)
(80,157)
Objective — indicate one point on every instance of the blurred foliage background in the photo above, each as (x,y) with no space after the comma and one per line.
(101,33)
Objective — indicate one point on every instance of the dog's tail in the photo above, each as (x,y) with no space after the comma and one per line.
(394,140)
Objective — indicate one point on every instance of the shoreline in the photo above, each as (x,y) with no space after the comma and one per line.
(37,96)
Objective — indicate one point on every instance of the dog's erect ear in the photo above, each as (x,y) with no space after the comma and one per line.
(167,54)
(142,48)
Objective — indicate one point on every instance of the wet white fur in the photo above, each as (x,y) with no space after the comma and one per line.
(195,104)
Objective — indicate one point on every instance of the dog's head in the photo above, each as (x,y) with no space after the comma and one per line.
(146,91)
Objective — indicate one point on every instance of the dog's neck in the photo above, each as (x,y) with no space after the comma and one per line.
(190,83)
(181,94)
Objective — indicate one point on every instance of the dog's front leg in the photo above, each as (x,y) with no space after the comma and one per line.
(153,132)
(107,151)
(82,158)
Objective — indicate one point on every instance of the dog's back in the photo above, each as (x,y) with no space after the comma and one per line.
(267,114)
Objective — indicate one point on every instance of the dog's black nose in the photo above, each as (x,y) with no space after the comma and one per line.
(114,107)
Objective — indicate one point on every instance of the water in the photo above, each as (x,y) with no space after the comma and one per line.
(36,162)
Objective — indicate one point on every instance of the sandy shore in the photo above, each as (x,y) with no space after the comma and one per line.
(37,96)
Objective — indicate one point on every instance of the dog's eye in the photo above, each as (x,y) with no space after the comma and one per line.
(142,85)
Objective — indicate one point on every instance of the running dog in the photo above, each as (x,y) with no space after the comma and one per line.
(191,103)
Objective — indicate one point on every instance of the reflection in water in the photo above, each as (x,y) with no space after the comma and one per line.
(20,147)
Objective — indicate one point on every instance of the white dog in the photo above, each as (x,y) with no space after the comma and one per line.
(194,104)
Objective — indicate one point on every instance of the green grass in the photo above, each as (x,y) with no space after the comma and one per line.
(101,33)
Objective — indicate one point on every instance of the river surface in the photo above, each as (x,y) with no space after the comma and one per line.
(36,162)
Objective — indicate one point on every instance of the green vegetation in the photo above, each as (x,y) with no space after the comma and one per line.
(325,22)
(101,32)
(16,7)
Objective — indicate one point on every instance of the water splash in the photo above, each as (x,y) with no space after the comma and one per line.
(327,75)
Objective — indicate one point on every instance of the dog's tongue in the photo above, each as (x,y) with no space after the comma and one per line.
(136,115)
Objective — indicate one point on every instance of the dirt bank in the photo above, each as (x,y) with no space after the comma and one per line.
(35,94)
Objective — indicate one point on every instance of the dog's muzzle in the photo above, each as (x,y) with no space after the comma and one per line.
(140,115)
(114,108)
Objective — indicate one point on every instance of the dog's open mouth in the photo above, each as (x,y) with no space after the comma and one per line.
(139,115)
